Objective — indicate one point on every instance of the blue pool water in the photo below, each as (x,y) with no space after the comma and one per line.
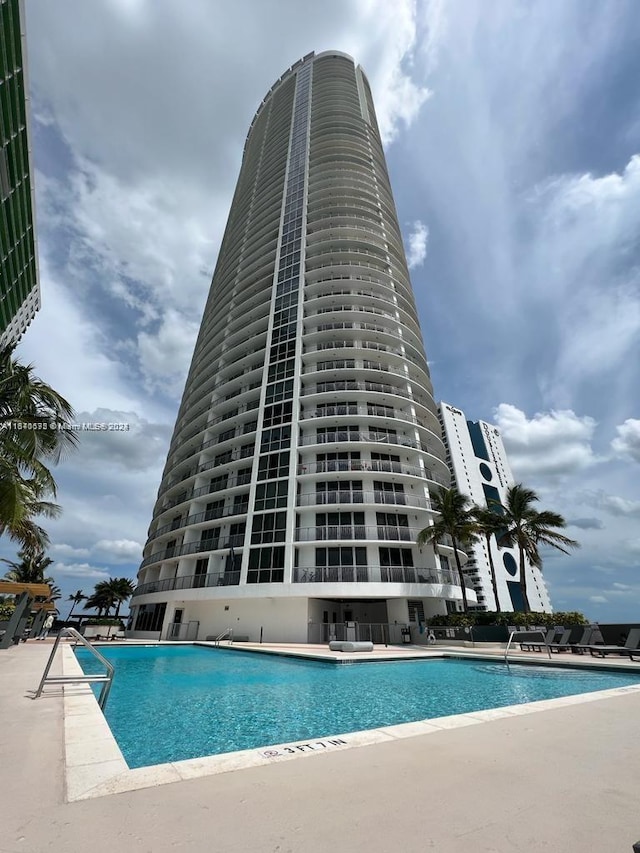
(175,702)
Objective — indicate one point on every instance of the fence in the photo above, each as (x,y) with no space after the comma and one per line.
(380,633)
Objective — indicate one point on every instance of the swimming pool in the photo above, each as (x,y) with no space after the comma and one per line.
(170,703)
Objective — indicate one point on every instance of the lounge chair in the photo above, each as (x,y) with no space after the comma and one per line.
(536,645)
(589,638)
(561,645)
(631,647)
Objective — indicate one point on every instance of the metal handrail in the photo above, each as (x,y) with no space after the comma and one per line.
(512,635)
(106,680)
(227,631)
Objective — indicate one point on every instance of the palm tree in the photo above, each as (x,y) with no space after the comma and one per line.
(527,528)
(38,419)
(20,501)
(30,569)
(490,523)
(102,600)
(456,521)
(122,589)
(76,598)
(111,593)
(35,429)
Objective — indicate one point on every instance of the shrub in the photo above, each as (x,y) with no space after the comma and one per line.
(463,620)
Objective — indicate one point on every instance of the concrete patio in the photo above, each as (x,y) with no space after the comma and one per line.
(560,779)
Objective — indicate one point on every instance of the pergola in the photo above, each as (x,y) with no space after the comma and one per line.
(30,597)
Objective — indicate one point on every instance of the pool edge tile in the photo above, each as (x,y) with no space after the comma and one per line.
(106,771)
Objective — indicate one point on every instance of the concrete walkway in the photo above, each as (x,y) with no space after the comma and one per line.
(564,780)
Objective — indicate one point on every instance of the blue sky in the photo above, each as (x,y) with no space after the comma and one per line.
(512,134)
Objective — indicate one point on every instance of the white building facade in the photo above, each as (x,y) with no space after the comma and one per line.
(307,444)
(481,470)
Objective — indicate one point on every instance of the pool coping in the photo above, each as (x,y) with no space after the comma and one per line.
(95,766)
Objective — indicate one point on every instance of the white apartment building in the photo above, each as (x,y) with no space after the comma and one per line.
(481,470)
(307,444)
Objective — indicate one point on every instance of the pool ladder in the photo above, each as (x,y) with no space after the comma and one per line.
(105,679)
(227,634)
(513,634)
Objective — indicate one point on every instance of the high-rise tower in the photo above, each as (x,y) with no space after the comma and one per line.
(307,441)
(481,470)
(19,287)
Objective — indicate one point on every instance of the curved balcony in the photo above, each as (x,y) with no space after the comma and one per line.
(204,546)
(198,518)
(378,574)
(349,436)
(331,574)
(349,532)
(215,579)
(375,466)
(375,498)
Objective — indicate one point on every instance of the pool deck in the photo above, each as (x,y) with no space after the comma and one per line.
(560,776)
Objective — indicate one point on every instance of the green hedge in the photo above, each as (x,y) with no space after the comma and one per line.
(104,620)
(463,620)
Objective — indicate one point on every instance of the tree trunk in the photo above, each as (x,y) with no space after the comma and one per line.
(71,611)
(460,575)
(523,582)
(494,582)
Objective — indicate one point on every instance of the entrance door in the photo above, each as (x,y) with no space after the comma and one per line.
(177,624)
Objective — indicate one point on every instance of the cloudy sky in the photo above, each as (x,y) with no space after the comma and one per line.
(512,134)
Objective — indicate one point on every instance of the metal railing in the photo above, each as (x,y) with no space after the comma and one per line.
(379,633)
(227,634)
(528,633)
(377,574)
(182,630)
(326,498)
(105,680)
(230,578)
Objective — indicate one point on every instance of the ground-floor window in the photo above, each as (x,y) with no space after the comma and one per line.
(150,617)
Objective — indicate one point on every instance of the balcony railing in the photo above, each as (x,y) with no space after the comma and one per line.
(323,574)
(365,411)
(355,497)
(373,466)
(209,515)
(356,531)
(373,437)
(377,574)
(191,582)
(204,546)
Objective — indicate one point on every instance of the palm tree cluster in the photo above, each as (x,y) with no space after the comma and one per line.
(109,594)
(35,431)
(30,568)
(516,523)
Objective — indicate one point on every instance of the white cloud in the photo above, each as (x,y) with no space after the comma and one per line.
(628,441)
(384,43)
(80,570)
(597,599)
(417,244)
(586,523)
(166,352)
(64,550)
(613,504)
(556,443)
(129,440)
(120,549)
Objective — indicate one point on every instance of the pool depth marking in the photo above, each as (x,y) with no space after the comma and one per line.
(293,749)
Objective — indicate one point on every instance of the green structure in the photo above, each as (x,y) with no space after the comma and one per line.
(19,285)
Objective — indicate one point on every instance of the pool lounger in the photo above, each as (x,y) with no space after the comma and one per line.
(579,647)
(536,645)
(631,647)
(350,646)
